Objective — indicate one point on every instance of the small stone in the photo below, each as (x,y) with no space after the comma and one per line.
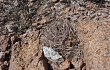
(5,63)
(34,24)
(11,28)
(2,55)
(67,9)
(52,55)
(59,6)
(44,20)
(41,65)
(104,15)
(99,14)
(92,16)
(89,13)
(54,1)
(77,64)
(32,0)
(107,54)
(16,3)
(75,17)
(96,18)
(81,9)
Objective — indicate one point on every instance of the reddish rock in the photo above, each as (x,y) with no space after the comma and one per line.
(65,65)
(29,56)
(96,41)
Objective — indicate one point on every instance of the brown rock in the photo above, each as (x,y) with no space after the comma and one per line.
(14,39)
(4,43)
(77,64)
(65,65)
(28,56)
(96,43)
(41,66)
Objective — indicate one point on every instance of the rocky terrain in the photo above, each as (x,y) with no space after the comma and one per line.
(54,34)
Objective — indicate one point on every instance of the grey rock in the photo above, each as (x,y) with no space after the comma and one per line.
(5,63)
(90,12)
(92,16)
(107,54)
(2,55)
(81,9)
(59,6)
(104,15)
(11,28)
(7,8)
(96,19)
(16,3)
(75,17)
(53,0)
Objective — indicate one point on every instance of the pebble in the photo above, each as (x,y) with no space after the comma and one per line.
(31,0)
(54,1)
(16,3)
(81,9)
(2,55)
(104,15)
(96,19)
(75,17)
(11,28)
(92,16)
(89,13)
(5,63)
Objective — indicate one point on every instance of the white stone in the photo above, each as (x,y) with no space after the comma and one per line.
(52,55)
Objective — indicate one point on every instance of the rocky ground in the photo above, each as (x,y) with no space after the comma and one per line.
(54,35)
